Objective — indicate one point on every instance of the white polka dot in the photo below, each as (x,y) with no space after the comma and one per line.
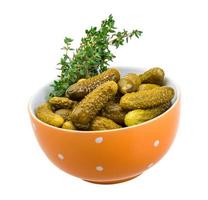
(34,127)
(156,143)
(99,140)
(60,156)
(99,168)
(150,165)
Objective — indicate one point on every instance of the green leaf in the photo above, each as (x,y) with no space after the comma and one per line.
(92,56)
(67,40)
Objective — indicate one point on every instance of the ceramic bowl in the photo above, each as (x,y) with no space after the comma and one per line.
(109,156)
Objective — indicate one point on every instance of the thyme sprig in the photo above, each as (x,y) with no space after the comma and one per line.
(93,55)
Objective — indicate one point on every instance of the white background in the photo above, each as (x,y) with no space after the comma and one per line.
(175,38)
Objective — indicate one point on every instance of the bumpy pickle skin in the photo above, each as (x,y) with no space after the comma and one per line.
(147,98)
(147,86)
(103,123)
(138,116)
(80,80)
(89,107)
(114,112)
(45,114)
(68,125)
(61,102)
(129,83)
(154,75)
(65,113)
(80,89)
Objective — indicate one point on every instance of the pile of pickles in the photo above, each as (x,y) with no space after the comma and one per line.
(108,101)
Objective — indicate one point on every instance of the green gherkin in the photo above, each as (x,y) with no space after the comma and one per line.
(44,113)
(80,89)
(89,107)
(129,83)
(147,98)
(114,112)
(65,113)
(154,75)
(68,125)
(61,102)
(147,86)
(103,123)
(140,115)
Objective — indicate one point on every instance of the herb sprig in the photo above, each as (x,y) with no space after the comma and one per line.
(93,55)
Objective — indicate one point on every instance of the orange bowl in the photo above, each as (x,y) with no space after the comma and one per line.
(109,156)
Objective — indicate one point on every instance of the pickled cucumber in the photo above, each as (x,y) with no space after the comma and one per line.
(88,108)
(45,114)
(140,115)
(147,86)
(114,112)
(129,83)
(147,98)
(103,123)
(154,75)
(80,89)
(65,113)
(80,80)
(69,125)
(61,102)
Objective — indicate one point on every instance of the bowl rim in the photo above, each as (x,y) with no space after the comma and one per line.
(177,93)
